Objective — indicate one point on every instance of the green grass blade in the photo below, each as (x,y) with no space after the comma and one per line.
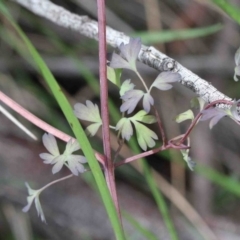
(75,125)
(226,182)
(231,10)
(173,35)
(162,206)
(145,232)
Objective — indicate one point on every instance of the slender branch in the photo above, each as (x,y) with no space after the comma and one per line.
(148,55)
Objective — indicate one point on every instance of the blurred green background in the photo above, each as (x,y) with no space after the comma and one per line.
(201,37)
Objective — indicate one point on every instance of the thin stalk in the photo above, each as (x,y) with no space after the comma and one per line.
(109,166)
(160,125)
(142,80)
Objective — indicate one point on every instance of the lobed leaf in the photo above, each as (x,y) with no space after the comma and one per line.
(188,115)
(145,136)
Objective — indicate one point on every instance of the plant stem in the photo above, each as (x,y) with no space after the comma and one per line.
(40,123)
(142,80)
(109,166)
(195,121)
(160,125)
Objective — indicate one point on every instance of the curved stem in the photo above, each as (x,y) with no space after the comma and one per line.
(56,181)
(195,121)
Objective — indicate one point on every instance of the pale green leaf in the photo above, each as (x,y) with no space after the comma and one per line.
(126,86)
(125,127)
(142,116)
(191,164)
(89,112)
(145,136)
(93,128)
(114,75)
(197,102)
(188,115)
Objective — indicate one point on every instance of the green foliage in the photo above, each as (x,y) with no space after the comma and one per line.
(229,9)
(145,232)
(187,115)
(162,206)
(227,182)
(114,75)
(145,136)
(90,113)
(174,35)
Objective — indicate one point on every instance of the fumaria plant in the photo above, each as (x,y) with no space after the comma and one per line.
(138,113)
(130,124)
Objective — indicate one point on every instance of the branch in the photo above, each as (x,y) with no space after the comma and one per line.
(148,55)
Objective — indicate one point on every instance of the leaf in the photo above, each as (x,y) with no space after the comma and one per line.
(58,164)
(215,114)
(126,86)
(114,75)
(125,127)
(147,102)
(145,136)
(88,112)
(237,57)
(197,102)
(163,80)
(39,209)
(236,73)
(131,99)
(75,164)
(142,116)
(50,143)
(118,62)
(128,55)
(150,37)
(34,196)
(188,115)
(93,128)
(72,146)
(234,112)
(191,164)
(131,50)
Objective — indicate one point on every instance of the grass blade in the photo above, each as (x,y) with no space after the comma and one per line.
(145,232)
(173,35)
(230,10)
(162,206)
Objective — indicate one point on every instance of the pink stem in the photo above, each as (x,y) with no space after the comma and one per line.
(194,122)
(39,123)
(109,166)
